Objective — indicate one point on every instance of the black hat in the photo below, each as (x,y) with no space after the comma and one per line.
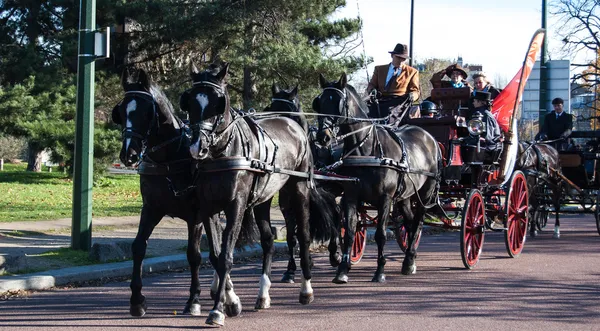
(400,50)
(483,96)
(428,107)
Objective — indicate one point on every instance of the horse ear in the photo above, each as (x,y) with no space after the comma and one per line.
(183,101)
(144,79)
(116,116)
(343,80)
(322,81)
(294,92)
(193,68)
(316,104)
(124,77)
(275,89)
(221,75)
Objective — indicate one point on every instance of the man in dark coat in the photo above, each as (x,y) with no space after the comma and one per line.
(557,125)
(491,141)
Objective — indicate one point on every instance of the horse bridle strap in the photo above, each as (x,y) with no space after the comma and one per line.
(217,87)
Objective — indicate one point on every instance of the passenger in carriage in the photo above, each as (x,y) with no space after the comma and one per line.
(490,142)
(482,84)
(393,84)
(428,110)
(456,74)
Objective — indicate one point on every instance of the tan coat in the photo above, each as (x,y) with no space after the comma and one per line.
(406,82)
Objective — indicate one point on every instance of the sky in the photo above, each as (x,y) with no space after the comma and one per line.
(492,33)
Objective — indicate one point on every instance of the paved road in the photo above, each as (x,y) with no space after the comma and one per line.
(554,285)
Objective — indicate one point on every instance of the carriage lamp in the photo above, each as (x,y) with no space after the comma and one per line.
(475,125)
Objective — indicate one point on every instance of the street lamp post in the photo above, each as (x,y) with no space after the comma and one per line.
(410,46)
(81,230)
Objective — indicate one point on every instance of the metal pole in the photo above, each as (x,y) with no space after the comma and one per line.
(410,46)
(81,231)
(543,77)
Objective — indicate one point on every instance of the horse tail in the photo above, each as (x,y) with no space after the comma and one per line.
(324,214)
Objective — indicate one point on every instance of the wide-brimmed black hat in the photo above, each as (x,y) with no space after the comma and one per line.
(483,96)
(400,50)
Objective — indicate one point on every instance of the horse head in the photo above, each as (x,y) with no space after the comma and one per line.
(207,104)
(136,113)
(284,100)
(332,104)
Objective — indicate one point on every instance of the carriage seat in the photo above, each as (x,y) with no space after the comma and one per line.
(451,99)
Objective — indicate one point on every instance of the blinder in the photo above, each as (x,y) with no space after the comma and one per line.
(154,122)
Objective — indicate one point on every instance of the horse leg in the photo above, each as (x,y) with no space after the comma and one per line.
(300,198)
(194,257)
(148,221)
(383,215)
(534,206)
(263,220)
(412,224)
(556,199)
(349,203)
(214,231)
(334,256)
(234,216)
(290,224)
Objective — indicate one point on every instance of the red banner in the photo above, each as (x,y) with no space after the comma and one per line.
(507,101)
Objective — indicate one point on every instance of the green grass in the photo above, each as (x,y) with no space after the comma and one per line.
(73,257)
(31,196)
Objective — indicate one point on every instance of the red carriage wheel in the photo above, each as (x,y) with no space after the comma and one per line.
(517,213)
(360,243)
(402,236)
(472,229)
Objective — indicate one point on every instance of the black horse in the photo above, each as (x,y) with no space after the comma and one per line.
(399,168)
(243,164)
(150,127)
(537,161)
(286,101)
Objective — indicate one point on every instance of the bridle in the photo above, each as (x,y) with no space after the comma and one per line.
(154,123)
(130,132)
(292,104)
(209,130)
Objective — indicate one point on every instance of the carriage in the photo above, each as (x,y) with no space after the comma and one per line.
(476,194)
(579,182)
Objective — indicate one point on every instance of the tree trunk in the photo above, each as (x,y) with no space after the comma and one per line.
(1,164)
(34,157)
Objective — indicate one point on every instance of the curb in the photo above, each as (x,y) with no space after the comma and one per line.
(51,278)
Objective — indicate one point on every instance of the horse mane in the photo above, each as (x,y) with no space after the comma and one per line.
(362,105)
(165,105)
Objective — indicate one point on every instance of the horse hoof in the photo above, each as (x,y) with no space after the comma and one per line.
(340,279)
(556,235)
(263,303)
(215,317)
(378,278)
(138,310)
(192,309)
(306,298)
(288,277)
(335,260)
(233,309)
(533,234)
(409,270)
